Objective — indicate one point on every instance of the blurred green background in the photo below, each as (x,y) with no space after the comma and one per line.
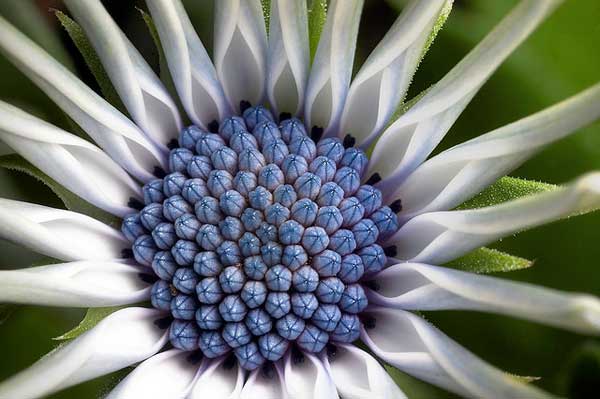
(561,58)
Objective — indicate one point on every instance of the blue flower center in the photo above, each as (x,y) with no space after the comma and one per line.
(261,238)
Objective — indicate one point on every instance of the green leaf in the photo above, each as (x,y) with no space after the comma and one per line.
(110,381)
(163,67)
(152,29)
(526,379)
(437,26)
(91,59)
(317,14)
(487,260)
(6,309)
(266,8)
(92,317)
(154,33)
(506,189)
(45,260)
(71,201)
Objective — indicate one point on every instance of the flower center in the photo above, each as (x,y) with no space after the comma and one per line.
(261,238)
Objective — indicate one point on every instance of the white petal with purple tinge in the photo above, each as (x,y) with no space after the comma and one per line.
(358,375)
(75,284)
(416,286)
(414,346)
(457,174)
(383,80)
(123,338)
(193,73)
(408,141)
(289,56)
(58,233)
(114,132)
(142,92)
(308,378)
(241,50)
(76,164)
(439,237)
(218,380)
(167,375)
(265,384)
(332,67)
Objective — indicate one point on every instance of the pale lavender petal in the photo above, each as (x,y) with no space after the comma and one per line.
(331,71)
(408,141)
(308,378)
(193,73)
(359,375)
(114,132)
(58,233)
(261,385)
(217,380)
(289,56)
(121,339)
(417,286)
(241,50)
(75,284)
(414,346)
(457,174)
(142,92)
(166,375)
(76,164)
(382,82)
(439,237)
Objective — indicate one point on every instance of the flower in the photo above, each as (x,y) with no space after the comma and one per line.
(265,239)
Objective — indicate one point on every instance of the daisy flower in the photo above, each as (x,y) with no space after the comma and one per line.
(262,253)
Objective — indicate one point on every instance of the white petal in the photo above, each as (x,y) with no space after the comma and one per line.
(414,346)
(415,286)
(457,174)
(332,67)
(241,50)
(58,233)
(75,284)
(265,385)
(358,375)
(383,80)
(112,130)
(439,237)
(289,56)
(123,338)
(410,139)
(167,375)
(308,378)
(218,380)
(76,164)
(192,70)
(142,92)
